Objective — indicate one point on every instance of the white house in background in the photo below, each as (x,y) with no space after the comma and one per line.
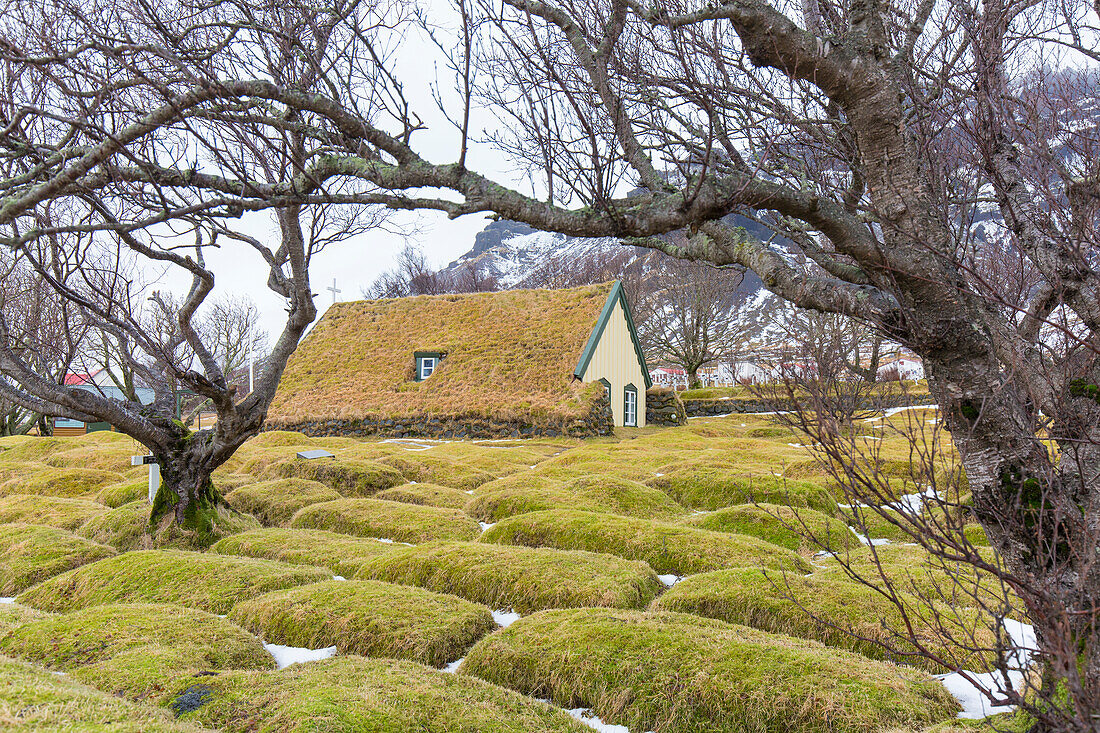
(906,366)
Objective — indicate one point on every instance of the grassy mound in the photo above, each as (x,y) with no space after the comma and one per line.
(352,694)
(710,488)
(48,510)
(30,553)
(684,674)
(528,492)
(785,526)
(97,634)
(368,617)
(12,616)
(435,468)
(833,611)
(32,699)
(116,495)
(127,528)
(427,495)
(668,548)
(346,477)
(525,579)
(341,553)
(275,502)
(199,580)
(101,457)
(387,519)
(65,482)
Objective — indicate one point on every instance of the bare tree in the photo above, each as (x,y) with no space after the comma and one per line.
(694,320)
(886,144)
(413,275)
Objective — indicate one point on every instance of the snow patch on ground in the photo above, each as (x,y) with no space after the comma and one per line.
(485,525)
(338,577)
(868,540)
(505,617)
(587,717)
(453,666)
(7,599)
(288,655)
(970,695)
(670,579)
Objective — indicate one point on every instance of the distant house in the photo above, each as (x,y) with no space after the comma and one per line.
(98,382)
(518,362)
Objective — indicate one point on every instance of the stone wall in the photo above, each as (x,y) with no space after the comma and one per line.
(598,422)
(664,407)
(709,407)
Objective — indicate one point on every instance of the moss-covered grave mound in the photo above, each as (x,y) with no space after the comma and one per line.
(393,520)
(275,502)
(684,674)
(796,528)
(350,694)
(135,650)
(127,528)
(343,554)
(30,553)
(115,495)
(427,495)
(668,548)
(346,477)
(48,510)
(525,579)
(368,617)
(529,492)
(205,581)
(32,699)
(708,488)
(69,483)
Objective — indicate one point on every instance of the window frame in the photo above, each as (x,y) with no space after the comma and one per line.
(427,363)
(630,391)
(419,359)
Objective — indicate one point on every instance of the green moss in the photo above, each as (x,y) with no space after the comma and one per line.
(524,579)
(13,615)
(440,469)
(348,478)
(65,482)
(48,510)
(102,457)
(205,581)
(97,634)
(341,553)
(127,528)
(684,674)
(352,694)
(799,529)
(426,495)
(31,553)
(668,548)
(275,502)
(368,617)
(709,488)
(32,699)
(527,492)
(831,610)
(388,520)
(116,495)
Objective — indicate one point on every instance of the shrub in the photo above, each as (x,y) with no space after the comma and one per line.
(36,700)
(31,553)
(525,579)
(683,674)
(96,634)
(116,495)
(275,502)
(199,580)
(709,488)
(352,694)
(668,548)
(781,525)
(347,478)
(387,519)
(48,510)
(833,611)
(427,495)
(368,617)
(127,528)
(342,553)
(527,492)
(65,482)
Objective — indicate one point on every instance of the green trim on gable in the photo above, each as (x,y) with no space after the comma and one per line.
(616,295)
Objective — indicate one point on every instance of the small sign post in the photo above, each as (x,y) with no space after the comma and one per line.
(154,473)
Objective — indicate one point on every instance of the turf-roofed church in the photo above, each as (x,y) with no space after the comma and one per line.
(513,363)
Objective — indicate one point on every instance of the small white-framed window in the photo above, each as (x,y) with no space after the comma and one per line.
(427,366)
(630,406)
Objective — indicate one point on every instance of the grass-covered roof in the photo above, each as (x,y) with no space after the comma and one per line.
(508,355)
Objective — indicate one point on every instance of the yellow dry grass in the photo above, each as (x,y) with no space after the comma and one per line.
(509,355)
